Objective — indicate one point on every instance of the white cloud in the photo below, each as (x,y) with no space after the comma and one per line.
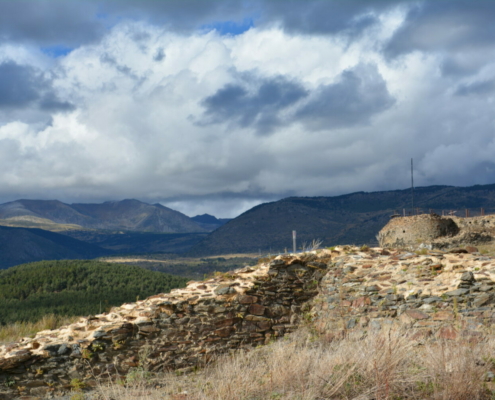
(138,126)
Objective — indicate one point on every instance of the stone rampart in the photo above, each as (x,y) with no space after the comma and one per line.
(180,330)
(440,294)
(433,293)
(437,232)
(414,230)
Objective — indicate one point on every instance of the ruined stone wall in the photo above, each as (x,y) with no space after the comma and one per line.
(472,231)
(446,295)
(414,230)
(180,330)
(437,232)
(482,223)
(434,293)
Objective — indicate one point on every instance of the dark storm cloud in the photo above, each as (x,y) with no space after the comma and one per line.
(445,25)
(259,108)
(311,16)
(22,86)
(159,55)
(50,102)
(353,100)
(72,23)
(50,22)
(359,94)
(456,68)
(19,85)
(476,88)
(322,16)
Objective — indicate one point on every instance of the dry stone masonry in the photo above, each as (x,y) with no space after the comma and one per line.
(346,289)
(180,330)
(412,231)
(437,232)
(440,294)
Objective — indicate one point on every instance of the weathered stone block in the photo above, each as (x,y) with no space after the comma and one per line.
(256,309)
(246,299)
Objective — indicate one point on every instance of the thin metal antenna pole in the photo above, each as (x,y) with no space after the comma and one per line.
(412,185)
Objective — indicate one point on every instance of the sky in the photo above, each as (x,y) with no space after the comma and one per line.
(217,106)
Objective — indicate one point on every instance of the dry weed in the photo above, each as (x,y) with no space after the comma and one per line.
(13,332)
(456,369)
(382,366)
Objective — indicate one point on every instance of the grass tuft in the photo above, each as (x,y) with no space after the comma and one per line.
(17,330)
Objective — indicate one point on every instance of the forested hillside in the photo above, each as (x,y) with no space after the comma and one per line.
(22,245)
(75,287)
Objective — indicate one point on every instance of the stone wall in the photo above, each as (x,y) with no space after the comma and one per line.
(180,330)
(446,295)
(412,231)
(433,293)
(437,232)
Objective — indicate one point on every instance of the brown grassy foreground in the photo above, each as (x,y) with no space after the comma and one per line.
(386,365)
(14,332)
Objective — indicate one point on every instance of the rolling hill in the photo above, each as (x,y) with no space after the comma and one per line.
(354,218)
(209,222)
(138,242)
(28,221)
(22,245)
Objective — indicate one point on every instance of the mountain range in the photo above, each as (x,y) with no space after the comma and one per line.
(354,218)
(125,215)
(131,226)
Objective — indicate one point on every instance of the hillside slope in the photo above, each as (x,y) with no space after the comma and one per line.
(354,218)
(28,221)
(128,215)
(209,222)
(75,287)
(138,242)
(22,245)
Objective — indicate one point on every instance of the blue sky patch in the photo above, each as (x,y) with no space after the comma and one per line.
(56,51)
(233,28)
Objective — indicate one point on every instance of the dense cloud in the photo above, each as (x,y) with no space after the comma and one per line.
(79,22)
(261,107)
(50,22)
(476,88)
(358,95)
(25,90)
(19,85)
(217,106)
(445,26)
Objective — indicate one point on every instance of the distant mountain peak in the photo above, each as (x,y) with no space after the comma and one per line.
(206,219)
(127,215)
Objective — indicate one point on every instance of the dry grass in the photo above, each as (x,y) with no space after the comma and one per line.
(487,249)
(13,332)
(27,221)
(381,366)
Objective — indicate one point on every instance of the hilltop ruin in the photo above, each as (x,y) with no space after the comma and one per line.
(437,232)
(337,291)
